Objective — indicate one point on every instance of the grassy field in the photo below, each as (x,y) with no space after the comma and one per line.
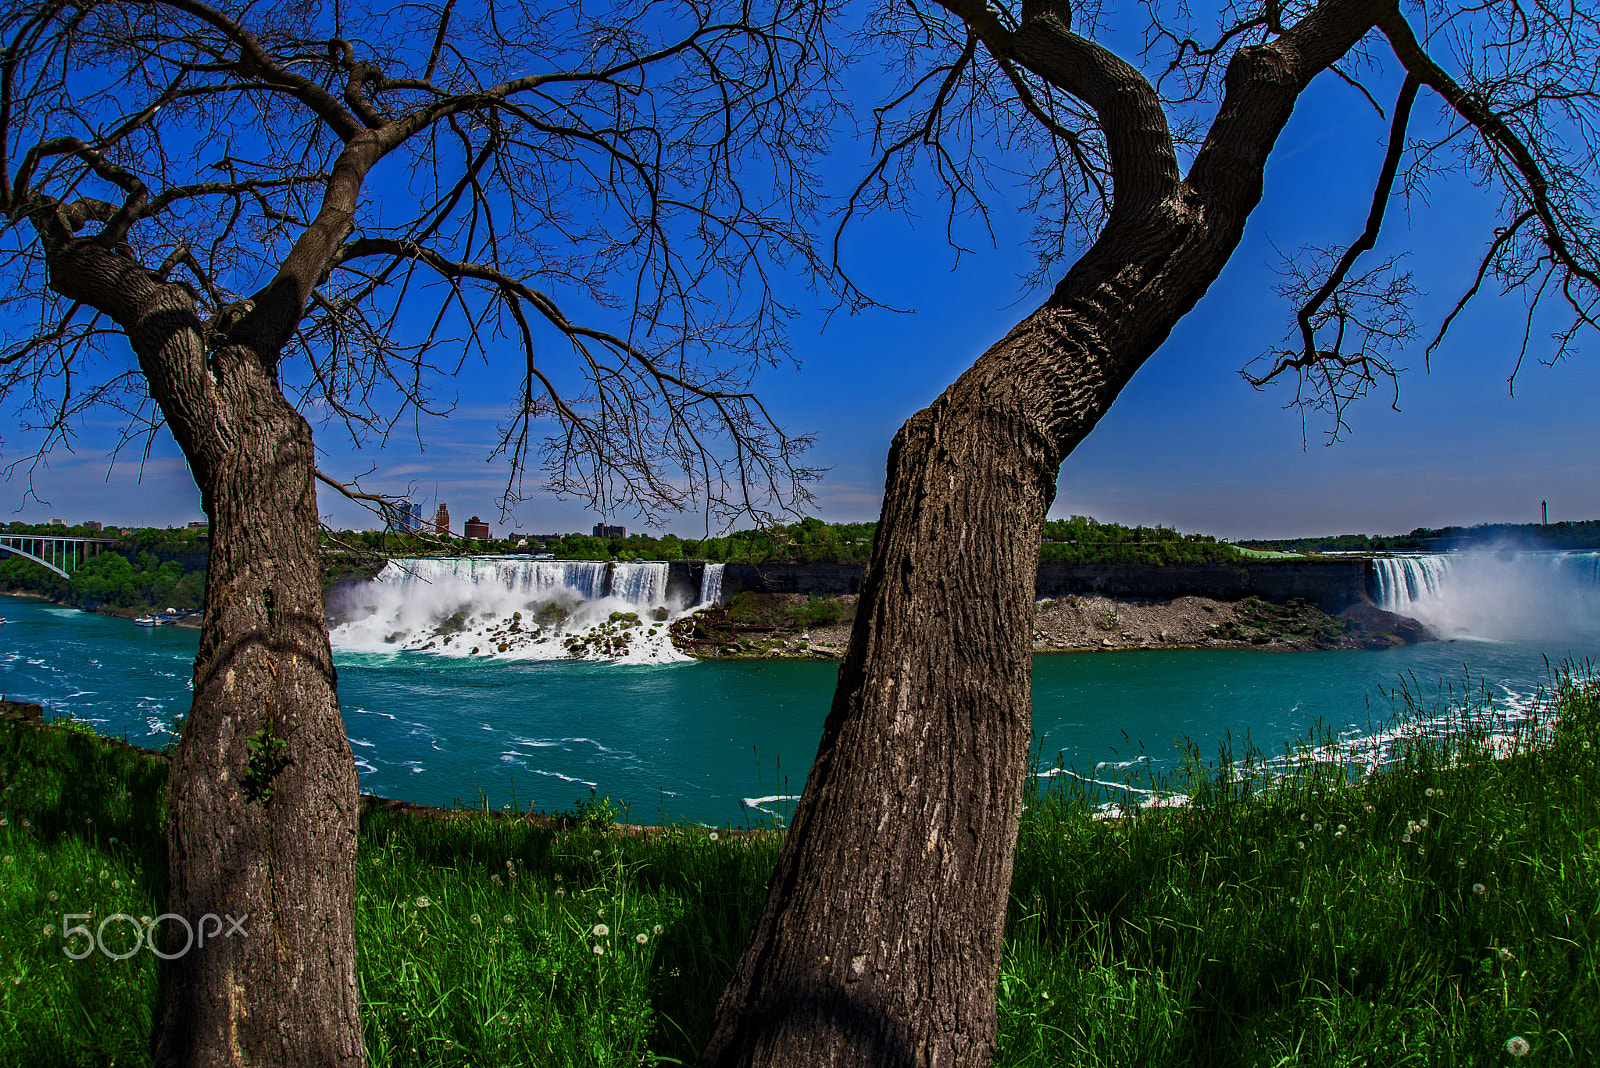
(1443,911)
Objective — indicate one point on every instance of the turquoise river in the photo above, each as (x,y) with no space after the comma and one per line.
(726,743)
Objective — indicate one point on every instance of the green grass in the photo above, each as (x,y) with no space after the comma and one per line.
(1283,918)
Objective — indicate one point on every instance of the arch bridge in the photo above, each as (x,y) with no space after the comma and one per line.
(61,555)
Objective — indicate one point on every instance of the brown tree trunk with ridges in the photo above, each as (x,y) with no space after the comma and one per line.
(881,939)
(932,715)
(262,801)
(275,841)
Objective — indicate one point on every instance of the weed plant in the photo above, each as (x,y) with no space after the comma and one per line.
(1441,909)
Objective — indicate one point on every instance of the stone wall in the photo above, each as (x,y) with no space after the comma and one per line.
(1332,586)
(822,580)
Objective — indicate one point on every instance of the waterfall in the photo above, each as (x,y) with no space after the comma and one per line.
(711,583)
(1503,595)
(1405,580)
(511,608)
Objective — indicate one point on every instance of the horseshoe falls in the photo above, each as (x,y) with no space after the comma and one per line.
(1503,595)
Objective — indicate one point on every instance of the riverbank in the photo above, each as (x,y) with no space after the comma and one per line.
(793,626)
(1323,916)
(189,619)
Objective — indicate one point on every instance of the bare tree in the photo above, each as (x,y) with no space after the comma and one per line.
(301,208)
(881,937)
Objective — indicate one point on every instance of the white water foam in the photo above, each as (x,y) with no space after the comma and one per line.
(513,608)
(1502,595)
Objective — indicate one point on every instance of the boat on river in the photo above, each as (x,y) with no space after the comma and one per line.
(150,621)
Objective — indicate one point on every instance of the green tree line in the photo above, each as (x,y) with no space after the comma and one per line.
(111,578)
(1584,534)
(1079,540)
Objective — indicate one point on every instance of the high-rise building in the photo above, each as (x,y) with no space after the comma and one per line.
(441,520)
(407,518)
(476,528)
(601,530)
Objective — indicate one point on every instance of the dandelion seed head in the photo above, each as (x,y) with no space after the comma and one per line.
(52,895)
(423,902)
(477,921)
(1423,822)
(1518,1046)
(713,836)
(1506,955)
(1428,792)
(1317,827)
(506,919)
(641,938)
(657,929)
(600,930)
(597,852)
(1479,889)
(49,929)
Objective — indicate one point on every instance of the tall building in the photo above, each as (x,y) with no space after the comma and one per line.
(407,518)
(441,520)
(601,530)
(476,528)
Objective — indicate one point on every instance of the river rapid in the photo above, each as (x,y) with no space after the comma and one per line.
(729,743)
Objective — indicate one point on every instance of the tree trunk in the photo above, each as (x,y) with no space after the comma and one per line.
(262,803)
(881,939)
(262,806)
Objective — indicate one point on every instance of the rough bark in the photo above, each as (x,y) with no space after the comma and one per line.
(262,803)
(881,938)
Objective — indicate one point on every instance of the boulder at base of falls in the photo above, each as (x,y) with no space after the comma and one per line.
(1377,628)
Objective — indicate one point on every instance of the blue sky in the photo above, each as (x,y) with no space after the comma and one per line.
(1188,444)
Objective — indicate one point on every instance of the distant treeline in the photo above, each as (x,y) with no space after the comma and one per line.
(1580,535)
(142,582)
(1081,540)
(810,540)
(142,569)
(1078,540)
